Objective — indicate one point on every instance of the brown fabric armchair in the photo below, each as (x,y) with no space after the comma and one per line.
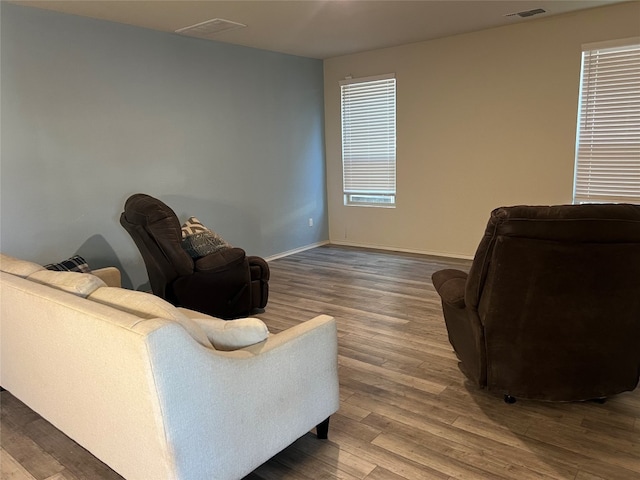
(226,284)
(550,308)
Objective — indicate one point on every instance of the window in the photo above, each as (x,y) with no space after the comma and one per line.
(369,141)
(608,137)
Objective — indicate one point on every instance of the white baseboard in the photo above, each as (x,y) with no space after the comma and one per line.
(377,247)
(405,250)
(296,250)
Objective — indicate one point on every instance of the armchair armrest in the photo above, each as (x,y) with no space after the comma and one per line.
(260,263)
(220,285)
(450,285)
(220,260)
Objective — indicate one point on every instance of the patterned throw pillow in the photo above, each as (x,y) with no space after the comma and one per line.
(199,241)
(73,264)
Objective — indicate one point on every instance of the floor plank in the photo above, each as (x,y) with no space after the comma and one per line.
(407,413)
(10,468)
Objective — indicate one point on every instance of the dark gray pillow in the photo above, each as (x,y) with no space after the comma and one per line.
(73,264)
(199,241)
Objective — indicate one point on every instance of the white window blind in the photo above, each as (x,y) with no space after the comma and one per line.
(369,140)
(608,138)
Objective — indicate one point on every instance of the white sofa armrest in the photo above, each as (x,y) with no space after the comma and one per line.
(278,340)
(248,404)
(109,275)
(234,334)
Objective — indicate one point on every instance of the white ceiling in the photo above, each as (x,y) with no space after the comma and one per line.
(321,29)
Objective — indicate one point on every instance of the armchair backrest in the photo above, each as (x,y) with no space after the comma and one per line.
(557,290)
(156,230)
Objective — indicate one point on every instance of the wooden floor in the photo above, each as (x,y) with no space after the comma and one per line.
(406,411)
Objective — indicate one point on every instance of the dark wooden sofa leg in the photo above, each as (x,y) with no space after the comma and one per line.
(322,429)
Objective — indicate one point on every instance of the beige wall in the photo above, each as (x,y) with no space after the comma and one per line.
(483,120)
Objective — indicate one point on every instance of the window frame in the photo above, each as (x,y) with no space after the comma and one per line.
(607,151)
(368,181)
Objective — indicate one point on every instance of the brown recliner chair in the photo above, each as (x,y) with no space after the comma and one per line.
(550,309)
(226,284)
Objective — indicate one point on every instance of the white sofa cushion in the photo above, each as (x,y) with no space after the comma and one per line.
(81,284)
(233,334)
(146,305)
(15,266)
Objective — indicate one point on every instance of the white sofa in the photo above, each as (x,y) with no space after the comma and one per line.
(131,383)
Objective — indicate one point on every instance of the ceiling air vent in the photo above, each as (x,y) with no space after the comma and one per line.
(527,13)
(209,28)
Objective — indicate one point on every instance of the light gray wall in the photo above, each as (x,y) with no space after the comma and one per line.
(93,112)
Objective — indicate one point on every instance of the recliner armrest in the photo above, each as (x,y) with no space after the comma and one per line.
(450,285)
(220,260)
(260,263)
